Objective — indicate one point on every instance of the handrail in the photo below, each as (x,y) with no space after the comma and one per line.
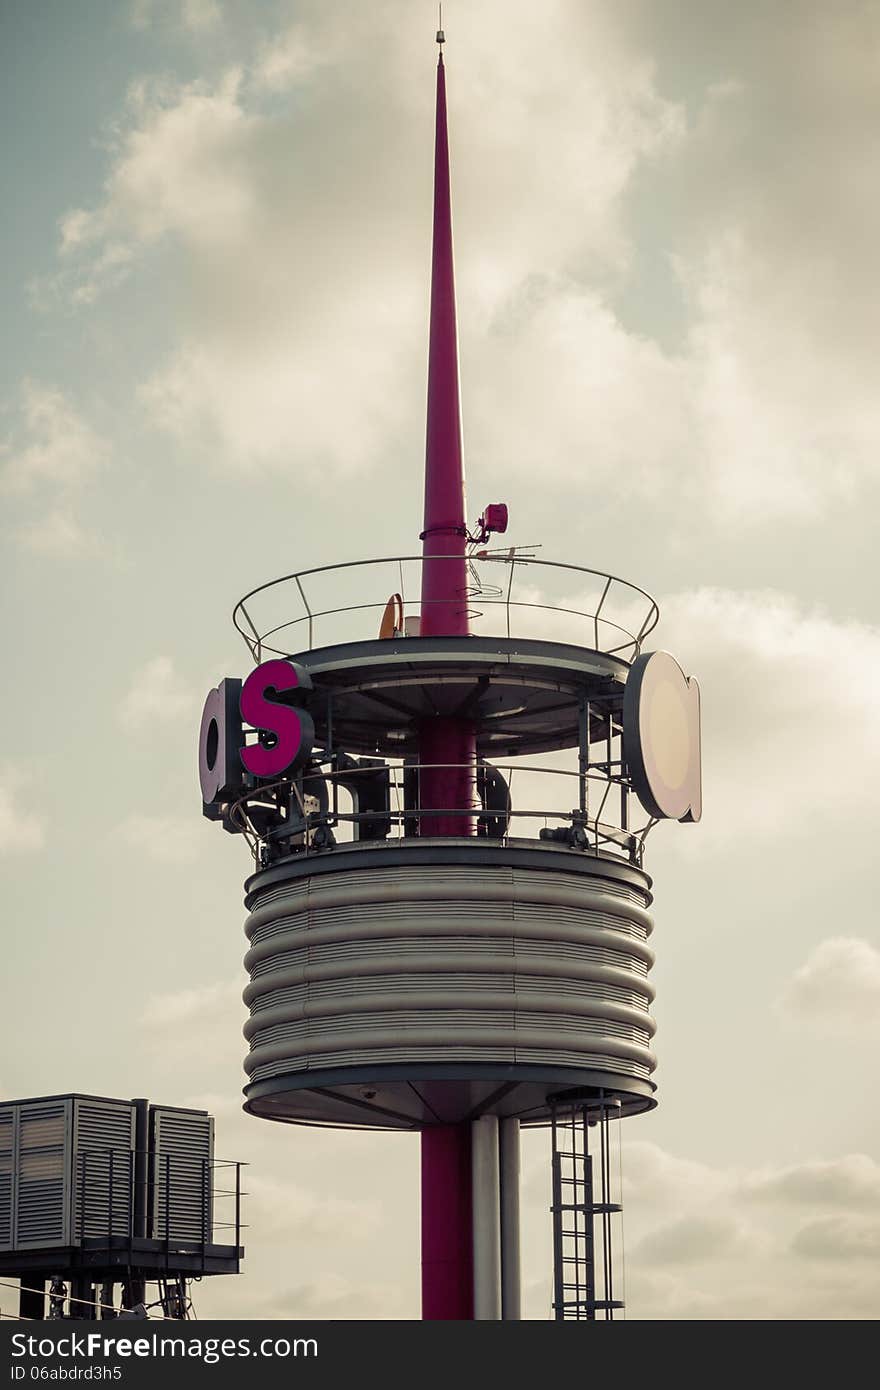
(600,834)
(256,636)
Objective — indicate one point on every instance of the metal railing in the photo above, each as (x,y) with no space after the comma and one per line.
(277,819)
(589,608)
(182,1202)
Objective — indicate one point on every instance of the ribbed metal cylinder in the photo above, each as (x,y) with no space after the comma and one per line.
(404,958)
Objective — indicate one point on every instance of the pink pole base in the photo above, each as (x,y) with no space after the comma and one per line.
(452,744)
(447,1259)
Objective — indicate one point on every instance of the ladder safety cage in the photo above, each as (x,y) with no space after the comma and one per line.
(583,1206)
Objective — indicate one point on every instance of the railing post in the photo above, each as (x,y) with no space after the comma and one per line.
(167,1209)
(204,1208)
(237,1209)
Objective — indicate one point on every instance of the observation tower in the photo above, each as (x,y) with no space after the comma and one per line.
(445,764)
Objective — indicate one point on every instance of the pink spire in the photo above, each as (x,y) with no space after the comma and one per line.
(447,745)
(444,582)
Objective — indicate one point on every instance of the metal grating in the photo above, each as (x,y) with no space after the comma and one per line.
(40,1207)
(103,1167)
(182,1159)
(7,1144)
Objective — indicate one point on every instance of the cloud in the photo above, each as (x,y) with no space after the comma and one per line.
(775,319)
(839,1238)
(202,1004)
(288,57)
(692,1239)
(301,241)
(51,456)
(659,1177)
(203,1021)
(786,1241)
(180,167)
(167,839)
(289,1210)
(57,533)
(850,1181)
(837,989)
(157,694)
(769,670)
(303,234)
(193,16)
(57,446)
(334,1297)
(20,830)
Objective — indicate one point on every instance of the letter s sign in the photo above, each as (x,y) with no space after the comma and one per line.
(287,734)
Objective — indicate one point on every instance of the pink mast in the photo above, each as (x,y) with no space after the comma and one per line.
(444,581)
(447,747)
(447,743)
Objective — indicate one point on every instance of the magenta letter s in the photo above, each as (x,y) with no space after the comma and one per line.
(293,728)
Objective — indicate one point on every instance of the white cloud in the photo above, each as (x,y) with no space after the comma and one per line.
(165,838)
(769,671)
(659,1177)
(56,446)
(193,16)
(837,989)
(202,1022)
(694,1239)
(52,454)
(850,1181)
(180,167)
(21,830)
(157,694)
(555,386)
(306,234)
(287,58)
(839,1238)
(706,1242)
(57,533)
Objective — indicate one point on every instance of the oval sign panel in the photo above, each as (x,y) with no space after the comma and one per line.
(661,731)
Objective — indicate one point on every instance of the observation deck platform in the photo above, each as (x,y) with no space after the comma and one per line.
(400,979)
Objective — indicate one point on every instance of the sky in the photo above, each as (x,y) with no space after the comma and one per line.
(215,277)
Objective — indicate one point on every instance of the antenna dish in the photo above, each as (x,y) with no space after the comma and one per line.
(392,619)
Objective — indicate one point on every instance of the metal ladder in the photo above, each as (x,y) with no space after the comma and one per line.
(583,1256)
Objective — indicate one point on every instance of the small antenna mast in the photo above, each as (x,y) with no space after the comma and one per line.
(441,37)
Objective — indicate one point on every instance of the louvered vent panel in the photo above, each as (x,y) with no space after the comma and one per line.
(183,1145)
(103,1158)
(41,1190)
(7,1137)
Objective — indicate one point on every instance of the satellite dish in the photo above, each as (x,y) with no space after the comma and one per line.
(661,734)
(392,619)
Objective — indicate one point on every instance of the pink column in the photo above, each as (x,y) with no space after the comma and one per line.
(447,1258)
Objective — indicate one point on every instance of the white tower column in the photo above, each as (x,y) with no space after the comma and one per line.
(508,1135)
(486,1197)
